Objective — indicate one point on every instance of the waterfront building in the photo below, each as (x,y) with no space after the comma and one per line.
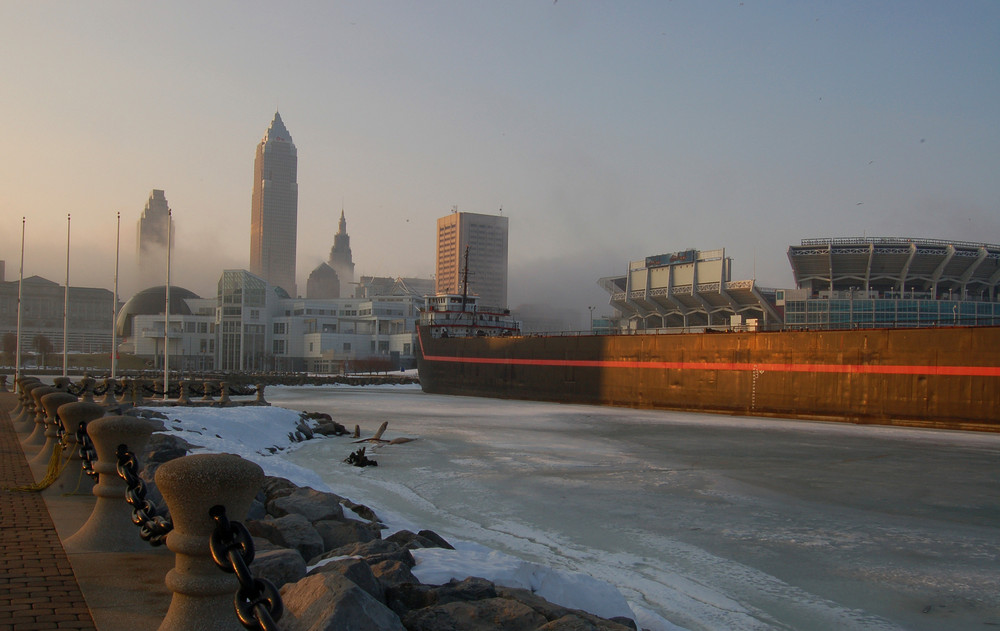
(274,208)
(152,231)
(91,310)
(484,237)
(190,338)
(373,286)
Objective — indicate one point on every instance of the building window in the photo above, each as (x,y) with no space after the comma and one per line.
(310,347)
(278,347)
(347,346)
(279,328)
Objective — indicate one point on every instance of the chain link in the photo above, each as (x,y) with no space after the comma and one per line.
(152,527)
(257,602)
(86,450)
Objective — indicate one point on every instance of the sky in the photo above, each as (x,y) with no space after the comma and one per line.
(605,131)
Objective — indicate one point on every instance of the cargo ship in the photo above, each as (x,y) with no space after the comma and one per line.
(883,330)
(941,377)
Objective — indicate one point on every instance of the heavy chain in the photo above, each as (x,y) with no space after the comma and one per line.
(87,452)
(257,601)
(152,527)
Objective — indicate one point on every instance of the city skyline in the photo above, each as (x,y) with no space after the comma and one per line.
(607,132)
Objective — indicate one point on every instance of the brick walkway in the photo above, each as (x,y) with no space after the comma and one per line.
(38,589)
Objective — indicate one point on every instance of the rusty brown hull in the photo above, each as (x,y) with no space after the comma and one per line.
(933,377)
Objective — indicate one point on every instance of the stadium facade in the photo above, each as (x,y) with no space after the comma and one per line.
(861,282)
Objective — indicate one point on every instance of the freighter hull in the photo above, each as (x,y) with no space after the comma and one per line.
(934,377)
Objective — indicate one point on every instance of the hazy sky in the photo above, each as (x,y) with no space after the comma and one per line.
(607,131)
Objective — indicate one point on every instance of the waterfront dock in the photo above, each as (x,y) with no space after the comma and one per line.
(43,587)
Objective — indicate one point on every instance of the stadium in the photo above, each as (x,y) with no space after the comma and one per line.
(861,282)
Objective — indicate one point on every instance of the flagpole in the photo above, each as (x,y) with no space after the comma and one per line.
(114,304)
(20,283)
(166,319)
(66,302)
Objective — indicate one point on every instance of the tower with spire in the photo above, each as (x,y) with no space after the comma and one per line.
(274,208)
(340,257)
(151,239)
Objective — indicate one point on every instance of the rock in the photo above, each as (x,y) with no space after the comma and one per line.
(481,615)
(372,552)
(337,534)
(360,510)
(275,487)
(356,571)
(303,428)
(329,602)
(257,510)
(280,566)
(567,619)
(290,531)
(312,504)
(423,539)
(393,574)
(574,622)
(466,590)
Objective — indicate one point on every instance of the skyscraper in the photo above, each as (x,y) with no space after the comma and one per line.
(274,208)
(486,238)
(151,239)
(340,258)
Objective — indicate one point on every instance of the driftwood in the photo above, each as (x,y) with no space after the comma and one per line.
(377,438)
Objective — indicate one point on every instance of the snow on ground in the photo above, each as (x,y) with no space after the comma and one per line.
(262,434)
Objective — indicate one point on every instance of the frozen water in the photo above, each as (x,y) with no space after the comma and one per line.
(700,521)
(711,522)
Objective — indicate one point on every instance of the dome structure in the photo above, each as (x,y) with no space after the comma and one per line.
(152,301)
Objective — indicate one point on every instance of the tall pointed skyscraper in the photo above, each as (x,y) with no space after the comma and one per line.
(274,208)
(341,260)
(151,239)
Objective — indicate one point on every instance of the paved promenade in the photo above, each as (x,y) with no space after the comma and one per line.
(41,587)
(38,589)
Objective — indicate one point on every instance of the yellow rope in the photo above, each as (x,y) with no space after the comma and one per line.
(52,473)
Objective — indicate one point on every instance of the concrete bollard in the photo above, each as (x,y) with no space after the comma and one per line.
(87,388)
(182,398)
(24,422)
(137,398)
(110,528)
(3,383)
(37,436)
(208,392)
(109,399)
(224,399)
(259,400)
(62,383)
(73,479)
(203,594)
(51,403)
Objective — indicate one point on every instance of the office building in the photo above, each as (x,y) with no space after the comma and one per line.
(274,208)
(151,239)
(485,239)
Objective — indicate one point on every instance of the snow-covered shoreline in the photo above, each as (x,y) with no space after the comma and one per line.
(264,434)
